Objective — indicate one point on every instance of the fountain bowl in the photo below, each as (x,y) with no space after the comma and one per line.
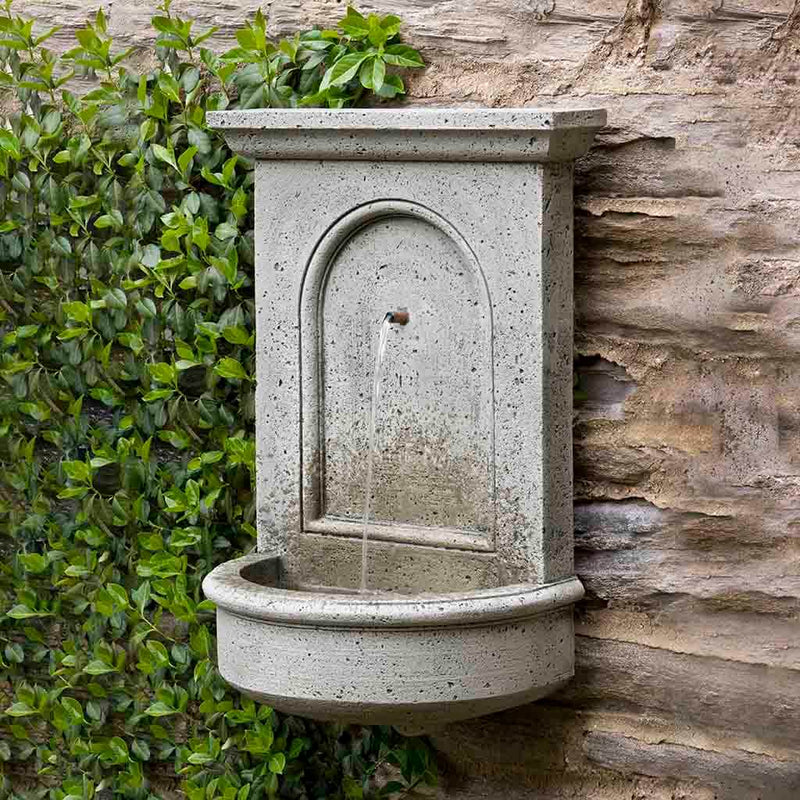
(412,660)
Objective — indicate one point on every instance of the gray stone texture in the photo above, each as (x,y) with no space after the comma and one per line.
(687,455)
(464,218)
(474,427)
(415,660)
(452,135)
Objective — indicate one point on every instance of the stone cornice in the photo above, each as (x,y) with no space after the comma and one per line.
(410,134)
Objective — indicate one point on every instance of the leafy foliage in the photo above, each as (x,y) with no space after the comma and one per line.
(126,416)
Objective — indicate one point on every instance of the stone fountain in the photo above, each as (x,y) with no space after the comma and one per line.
(462,218)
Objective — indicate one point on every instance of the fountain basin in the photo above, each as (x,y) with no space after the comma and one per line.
(388,658)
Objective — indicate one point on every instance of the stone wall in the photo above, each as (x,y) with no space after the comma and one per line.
(687,450)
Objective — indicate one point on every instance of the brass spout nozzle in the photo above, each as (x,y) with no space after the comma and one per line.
(399,317)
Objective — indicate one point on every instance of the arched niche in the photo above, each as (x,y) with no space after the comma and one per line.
(433,478)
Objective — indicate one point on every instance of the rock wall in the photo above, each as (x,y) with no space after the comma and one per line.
(687,448)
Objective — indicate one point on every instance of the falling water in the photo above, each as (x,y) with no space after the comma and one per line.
(373,409)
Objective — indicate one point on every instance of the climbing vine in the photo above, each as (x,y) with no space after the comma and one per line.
(126,412)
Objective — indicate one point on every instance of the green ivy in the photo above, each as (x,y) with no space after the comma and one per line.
(126,416)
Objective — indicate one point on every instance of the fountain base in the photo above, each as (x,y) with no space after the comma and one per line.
(413,660)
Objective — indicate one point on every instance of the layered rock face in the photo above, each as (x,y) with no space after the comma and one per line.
(687,447)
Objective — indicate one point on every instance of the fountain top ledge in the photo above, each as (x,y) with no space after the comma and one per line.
(410,134)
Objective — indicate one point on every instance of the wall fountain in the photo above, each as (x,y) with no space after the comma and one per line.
(462,221)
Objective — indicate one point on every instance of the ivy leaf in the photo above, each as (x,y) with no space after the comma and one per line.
(169,86)
(20,710)
(393,86)
(178,439)
(73,492)
(160,709)
(230,368)
(97,667)
(401,55)
(344,70)
(391,25)
(21,611)
(9,144)
(185,158)
(118,593)
(111,220)
(141,596)
(159,653)
(377,33)
(200,139)
(157,394)
(131,340)
(167,156)
(76,470)
(116,751)
(74,710)
(226,231)
(77,311)
(35,563)
(378,73)
(277,763)
(140,749)
(354,24)
(235,334)
(163,373)
(73,333)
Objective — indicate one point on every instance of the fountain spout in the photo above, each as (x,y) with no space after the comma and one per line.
(400,317)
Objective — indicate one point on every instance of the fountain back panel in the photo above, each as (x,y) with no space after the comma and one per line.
(464,218)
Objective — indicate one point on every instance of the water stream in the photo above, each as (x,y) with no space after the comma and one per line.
(373,410)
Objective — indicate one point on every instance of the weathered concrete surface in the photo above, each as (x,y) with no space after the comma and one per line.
(688,286)
(359,212)
(389,659)
(481,377)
